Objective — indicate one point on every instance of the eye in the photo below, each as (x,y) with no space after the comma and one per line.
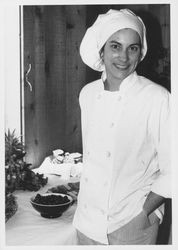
(115,46)
(134,48)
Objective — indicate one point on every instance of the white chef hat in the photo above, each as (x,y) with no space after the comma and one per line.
(104,26)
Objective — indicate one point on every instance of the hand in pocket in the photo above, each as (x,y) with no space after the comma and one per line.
(133,232)
(141,221)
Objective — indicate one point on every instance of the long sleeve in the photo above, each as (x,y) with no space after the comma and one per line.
(162,136)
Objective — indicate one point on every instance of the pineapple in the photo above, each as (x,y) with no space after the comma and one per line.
(14,149)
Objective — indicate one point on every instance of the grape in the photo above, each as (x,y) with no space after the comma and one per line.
(51,199)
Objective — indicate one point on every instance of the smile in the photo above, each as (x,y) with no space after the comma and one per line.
(118,66)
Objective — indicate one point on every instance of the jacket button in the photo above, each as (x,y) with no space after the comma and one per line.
(103,211)
(109,218)
(119,98)
(106,184)
(108,154)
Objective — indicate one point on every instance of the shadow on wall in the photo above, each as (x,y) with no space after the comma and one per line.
(156,65)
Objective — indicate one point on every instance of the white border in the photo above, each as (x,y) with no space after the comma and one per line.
(174,78)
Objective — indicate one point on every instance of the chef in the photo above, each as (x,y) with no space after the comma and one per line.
(126,138)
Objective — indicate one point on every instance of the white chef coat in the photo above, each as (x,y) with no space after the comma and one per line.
(126,153)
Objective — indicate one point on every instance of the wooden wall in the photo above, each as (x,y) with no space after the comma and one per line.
(52,35)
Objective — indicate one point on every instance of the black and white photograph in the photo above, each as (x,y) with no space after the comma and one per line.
(88,129)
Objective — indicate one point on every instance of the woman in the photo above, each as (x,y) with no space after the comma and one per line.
(125,131)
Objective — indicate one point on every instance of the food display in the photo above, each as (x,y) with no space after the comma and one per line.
(51,199)
(71,188)
(59,157)
(51,205)
(62,163)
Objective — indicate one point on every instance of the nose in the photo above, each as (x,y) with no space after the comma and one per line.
(123,55)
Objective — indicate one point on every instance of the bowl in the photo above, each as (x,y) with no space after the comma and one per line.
(51,205)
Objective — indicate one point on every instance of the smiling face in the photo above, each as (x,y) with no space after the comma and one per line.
(121,54)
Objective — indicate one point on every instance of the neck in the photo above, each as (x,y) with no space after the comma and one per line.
(112,84)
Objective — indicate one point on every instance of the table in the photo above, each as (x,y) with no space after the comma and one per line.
(28,228)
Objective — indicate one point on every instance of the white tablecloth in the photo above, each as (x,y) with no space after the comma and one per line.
(28,228)
(64,169)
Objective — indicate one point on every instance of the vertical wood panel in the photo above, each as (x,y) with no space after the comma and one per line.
(75,75)
(55,87)
(38,108)
(34,54)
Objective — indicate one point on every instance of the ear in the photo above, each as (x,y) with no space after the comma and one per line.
(102,54)
(140,57)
